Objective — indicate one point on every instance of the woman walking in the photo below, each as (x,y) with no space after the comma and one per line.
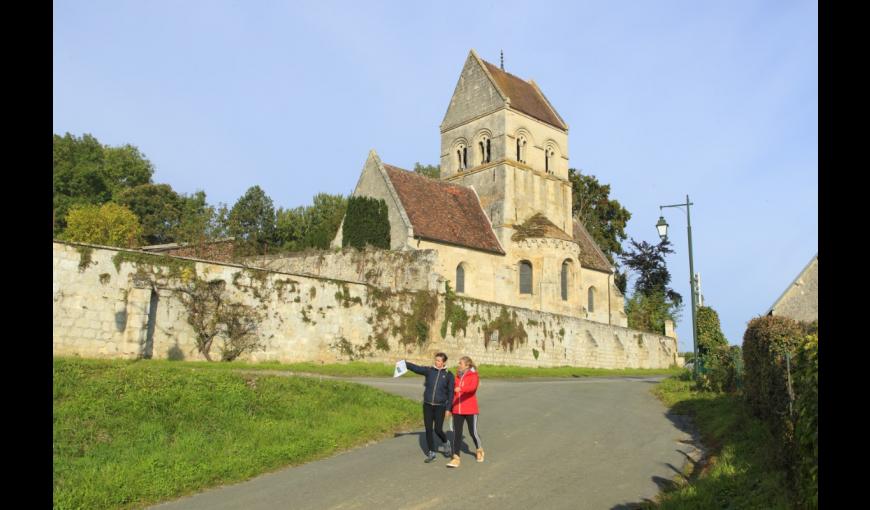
(437,395)
(465,409)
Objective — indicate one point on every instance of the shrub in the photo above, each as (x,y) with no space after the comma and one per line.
(366,222)
(723,366)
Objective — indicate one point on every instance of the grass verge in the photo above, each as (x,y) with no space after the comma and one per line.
(127,434)
(370,369)
(738,473)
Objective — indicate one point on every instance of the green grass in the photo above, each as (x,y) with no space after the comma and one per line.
(369,369)
(739,474)
(127,434)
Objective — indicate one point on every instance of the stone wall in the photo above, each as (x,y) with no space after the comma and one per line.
(128,306)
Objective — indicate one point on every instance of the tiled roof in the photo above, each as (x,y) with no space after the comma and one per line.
(443,212)
(524,96)
(539,226)
(591,255)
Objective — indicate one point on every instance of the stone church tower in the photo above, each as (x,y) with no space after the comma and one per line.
(502,137)
(499,218)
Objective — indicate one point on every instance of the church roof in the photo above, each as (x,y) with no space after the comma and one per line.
(525,96)
(591,255)
(443,212)
(539,226)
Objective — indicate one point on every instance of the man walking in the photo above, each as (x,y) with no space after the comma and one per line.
(437,399)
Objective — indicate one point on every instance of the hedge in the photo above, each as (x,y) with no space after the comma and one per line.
(774,350)
(806,384)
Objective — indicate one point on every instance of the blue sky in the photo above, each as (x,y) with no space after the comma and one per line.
(717,100)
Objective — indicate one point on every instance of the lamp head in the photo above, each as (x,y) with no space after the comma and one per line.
(662,227)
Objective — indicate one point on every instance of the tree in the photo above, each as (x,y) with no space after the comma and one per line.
(159,209)
(86,172)
(653,301)
(252,219)
(433,171)
(323,219)
(648,312)
(290,228)
(311,226)
(212,315)
(199,222)
(109,224)
(366,223)
(604,219)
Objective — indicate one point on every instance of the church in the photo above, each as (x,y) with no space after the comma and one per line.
(499,218)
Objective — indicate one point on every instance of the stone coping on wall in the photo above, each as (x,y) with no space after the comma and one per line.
(561,315)
(214,262)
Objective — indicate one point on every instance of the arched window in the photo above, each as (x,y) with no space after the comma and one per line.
(483,146)
(488,153)
(460,279)
(549,160)
(461,157)
(525,277)
(521,149)
(566,267)
(590,299)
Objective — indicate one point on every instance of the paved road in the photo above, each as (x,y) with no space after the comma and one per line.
(570,443)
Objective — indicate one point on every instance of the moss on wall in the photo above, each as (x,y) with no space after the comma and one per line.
(506,330)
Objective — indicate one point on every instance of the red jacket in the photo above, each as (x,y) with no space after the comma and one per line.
(465,401)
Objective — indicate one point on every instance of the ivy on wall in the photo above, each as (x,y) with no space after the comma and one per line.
(366,223)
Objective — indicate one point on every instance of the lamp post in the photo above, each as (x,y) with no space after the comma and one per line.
(662,227)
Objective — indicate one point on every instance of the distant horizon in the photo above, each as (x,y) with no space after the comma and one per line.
(716,100)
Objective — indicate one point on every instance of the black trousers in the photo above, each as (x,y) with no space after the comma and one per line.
(433,418)
(458,421)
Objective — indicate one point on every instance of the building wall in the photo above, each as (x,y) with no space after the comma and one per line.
(801,300)
(134,311)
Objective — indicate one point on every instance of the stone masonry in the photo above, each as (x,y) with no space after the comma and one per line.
(133,311)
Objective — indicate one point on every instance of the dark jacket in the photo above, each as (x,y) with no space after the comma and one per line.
(438,388)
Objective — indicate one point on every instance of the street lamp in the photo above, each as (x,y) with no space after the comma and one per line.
(662,227)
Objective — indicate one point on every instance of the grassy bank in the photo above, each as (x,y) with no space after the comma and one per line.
(738,474)
(369,369)
(131,433)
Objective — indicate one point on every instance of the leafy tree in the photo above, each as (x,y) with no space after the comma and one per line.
(159,209)
(604,219)
(648,312)
(109,224)
(311,226)
(86,172)
(710,333)
(252,219)
(196,220)
(653,301)
(125,167)
(433,171)
(323,219)
(290,228)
